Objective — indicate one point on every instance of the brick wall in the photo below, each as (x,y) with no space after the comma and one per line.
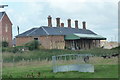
(22,40)
(48,42)
(6,27)
(57,42)
(53,42)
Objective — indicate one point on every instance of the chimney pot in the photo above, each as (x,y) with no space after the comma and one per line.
(58,22)
(76,24)
(62,24)
(49,21)
(84,25)
(69,23)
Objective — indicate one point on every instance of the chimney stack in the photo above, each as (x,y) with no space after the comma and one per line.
(76,24)
(49,21)
(62,24)
(84,25)
(58,22)
(69,23)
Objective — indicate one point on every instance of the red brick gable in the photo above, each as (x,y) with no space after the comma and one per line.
(5,15)
(6,29)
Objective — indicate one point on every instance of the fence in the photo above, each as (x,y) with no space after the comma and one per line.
(72,62)
(59,61)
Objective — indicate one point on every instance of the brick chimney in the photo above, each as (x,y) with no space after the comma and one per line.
(69,23)
(49,21)
(84,25)
(76,24)
(58,22)
(62,24)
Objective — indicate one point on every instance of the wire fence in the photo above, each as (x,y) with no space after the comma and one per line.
(95,60)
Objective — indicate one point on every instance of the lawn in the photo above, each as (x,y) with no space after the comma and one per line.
(38,64)
(104,68)
(101,71)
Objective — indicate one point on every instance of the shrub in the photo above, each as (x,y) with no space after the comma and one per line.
(32,45)
(11,49)
(14,50)
(4,44)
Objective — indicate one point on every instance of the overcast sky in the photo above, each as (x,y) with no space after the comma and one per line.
(101,15)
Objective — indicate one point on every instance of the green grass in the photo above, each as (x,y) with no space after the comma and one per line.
(101,71)
(104,68)
(42,54)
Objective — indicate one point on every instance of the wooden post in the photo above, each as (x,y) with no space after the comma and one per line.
(39,59)
(13,62)
(31,59)
(23,59)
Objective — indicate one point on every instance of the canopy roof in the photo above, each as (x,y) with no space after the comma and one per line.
(83,36)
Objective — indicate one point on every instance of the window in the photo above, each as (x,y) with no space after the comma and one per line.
(35,38)
(6,28)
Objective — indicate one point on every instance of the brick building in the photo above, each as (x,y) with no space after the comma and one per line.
(5,28)
(61,37)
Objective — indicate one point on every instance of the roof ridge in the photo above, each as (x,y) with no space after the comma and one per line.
(32,31)
(45,31)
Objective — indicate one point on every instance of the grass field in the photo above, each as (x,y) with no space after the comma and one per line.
(101,71)
(43,54)
(105,68)
(35,68)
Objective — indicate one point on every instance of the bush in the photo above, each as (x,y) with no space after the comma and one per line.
(32,45)
(11,49)
(14,50)
(4,44)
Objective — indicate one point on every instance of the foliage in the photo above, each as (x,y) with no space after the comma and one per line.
(4,44)
(32,45)
(11,49)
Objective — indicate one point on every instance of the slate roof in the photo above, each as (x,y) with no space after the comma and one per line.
(45,30)
(1,14)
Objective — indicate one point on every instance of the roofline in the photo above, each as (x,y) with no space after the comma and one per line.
(45,31)
(7,16)
(2,16)
(38,36)
(32,32)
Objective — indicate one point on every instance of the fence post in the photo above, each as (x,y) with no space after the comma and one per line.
(31,59)
(39,59)
(13,62)
(23,59)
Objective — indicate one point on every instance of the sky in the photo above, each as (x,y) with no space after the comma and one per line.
(101,16)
